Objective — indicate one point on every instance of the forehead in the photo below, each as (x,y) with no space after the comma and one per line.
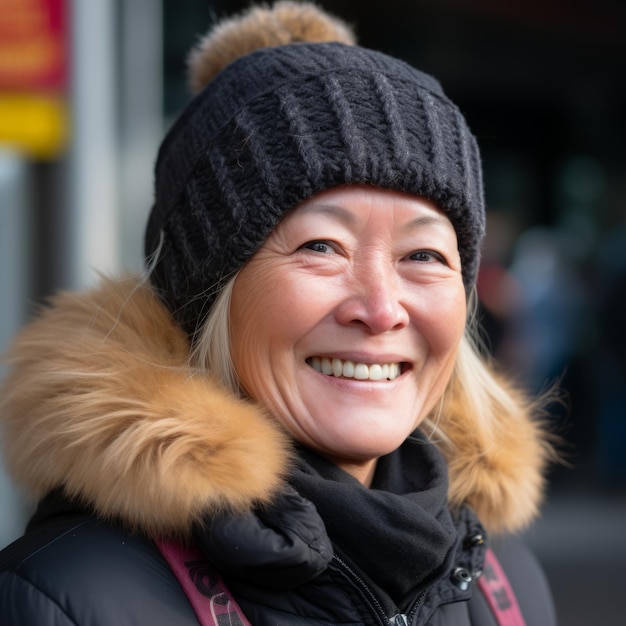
(353,204)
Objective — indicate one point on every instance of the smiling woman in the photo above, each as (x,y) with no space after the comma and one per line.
(290,401)
(353,280)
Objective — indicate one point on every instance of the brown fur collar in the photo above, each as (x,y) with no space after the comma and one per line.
(101,400)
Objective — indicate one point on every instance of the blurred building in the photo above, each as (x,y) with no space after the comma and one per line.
(81,116)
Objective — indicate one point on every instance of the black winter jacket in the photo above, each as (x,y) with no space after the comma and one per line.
(124,443)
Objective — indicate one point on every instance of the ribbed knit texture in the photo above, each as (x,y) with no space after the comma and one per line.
(280,124)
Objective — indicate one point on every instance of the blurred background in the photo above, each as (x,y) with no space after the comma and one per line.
(87,89)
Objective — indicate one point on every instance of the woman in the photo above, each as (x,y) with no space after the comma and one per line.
(293,394)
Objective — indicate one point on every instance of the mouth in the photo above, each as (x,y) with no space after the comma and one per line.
(359,371)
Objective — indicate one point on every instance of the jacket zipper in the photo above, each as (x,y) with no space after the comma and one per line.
(377,607)
(416,607)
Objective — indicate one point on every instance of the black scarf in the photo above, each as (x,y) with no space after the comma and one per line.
(399,533)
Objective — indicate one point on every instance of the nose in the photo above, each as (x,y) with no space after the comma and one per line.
(375,299)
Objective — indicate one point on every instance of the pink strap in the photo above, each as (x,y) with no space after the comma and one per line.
(215,606)
(497,590)
(205,590)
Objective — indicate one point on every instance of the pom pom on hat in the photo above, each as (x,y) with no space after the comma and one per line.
(261,27)
(278,123)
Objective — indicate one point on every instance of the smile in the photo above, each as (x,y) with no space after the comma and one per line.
(359,371)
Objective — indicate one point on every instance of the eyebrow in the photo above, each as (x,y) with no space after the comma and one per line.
(427,220)
(345,216)
(348,217)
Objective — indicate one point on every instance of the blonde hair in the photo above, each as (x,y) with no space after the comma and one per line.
(211,352)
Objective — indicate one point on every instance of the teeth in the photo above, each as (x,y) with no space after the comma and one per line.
(376,372)
(337,367)
(348,369)
(359,371)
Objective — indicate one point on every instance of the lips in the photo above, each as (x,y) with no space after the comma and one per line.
(359,371)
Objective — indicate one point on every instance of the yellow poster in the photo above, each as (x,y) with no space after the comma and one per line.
(33,77)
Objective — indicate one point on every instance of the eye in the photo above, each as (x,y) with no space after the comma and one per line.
(427,256)
(322,247)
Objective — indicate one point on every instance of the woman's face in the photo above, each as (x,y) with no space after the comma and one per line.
(346,322)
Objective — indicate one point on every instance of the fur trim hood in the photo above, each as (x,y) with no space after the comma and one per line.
(101,401)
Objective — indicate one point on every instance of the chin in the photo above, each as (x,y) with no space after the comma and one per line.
(367,451)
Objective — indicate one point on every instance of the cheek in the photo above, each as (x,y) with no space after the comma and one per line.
(444,317)
(442,332)
(266,320)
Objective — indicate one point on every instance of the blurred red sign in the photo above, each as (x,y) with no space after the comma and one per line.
(33,44)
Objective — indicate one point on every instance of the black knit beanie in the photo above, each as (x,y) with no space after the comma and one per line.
(282,123)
